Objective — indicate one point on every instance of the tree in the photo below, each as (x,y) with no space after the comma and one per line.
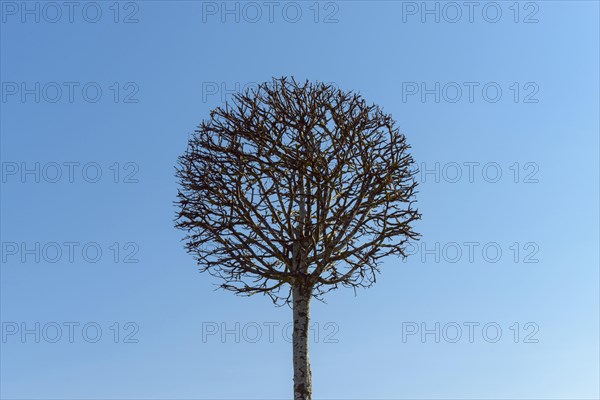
(295,189)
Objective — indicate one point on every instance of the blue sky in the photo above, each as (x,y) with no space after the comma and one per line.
(516,251)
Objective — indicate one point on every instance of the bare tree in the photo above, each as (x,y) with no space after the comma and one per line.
(292,190)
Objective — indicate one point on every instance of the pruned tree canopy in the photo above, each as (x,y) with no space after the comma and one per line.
(296,184)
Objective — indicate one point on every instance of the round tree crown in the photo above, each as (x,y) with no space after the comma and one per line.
(296,183)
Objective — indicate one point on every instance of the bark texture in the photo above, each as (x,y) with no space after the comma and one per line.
(302,372)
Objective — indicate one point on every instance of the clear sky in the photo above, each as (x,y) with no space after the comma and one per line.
(498,100)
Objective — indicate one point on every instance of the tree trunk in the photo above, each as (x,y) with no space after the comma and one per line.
(302,374)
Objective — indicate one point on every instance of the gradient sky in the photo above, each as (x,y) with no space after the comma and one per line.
(164,65)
